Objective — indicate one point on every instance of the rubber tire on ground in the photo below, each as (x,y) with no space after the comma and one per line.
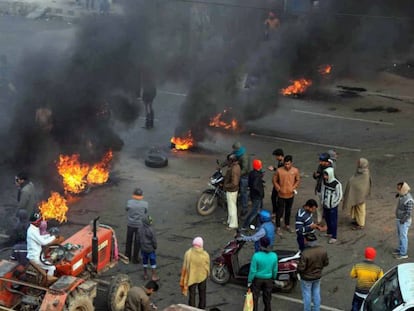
(118,291)
(156,160)
(204,197)
(292,284)
(220,274)
(78,302)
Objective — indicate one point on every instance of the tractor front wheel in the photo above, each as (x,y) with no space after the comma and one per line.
(118,291)
(79,302)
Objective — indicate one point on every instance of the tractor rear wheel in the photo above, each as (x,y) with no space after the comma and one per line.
(78,302)
(118,291)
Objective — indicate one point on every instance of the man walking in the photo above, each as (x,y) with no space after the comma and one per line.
(366,273)
(137,209)
(311,263)
(403,214)
(231,186)
(304,222)
(331,196)
(285,180)
(262,273)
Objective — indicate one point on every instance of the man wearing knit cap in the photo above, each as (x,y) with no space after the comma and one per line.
(366,273)
(137,209)
(403,215)
(194,273)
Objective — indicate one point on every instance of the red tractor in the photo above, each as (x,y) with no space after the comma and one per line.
(80,260)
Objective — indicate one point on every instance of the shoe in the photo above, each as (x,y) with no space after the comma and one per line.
(327,235)
(279,232)
(230,229)
(357,227)
(332,241)
(396,252)
(399,257)
(289,229)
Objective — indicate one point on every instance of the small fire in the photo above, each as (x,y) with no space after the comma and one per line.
(217,121)
(183,143)
(297,87)
(325,69)
(54,208)
(77,176)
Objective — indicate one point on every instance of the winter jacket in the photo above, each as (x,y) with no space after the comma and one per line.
(147,237)
(303,222)
(243,159)
(232,178)
(26,197)
(263,266)
(312,260)
(137,209)
(318,175)
(404,207)
(331,190)
(286,181)
(256,185)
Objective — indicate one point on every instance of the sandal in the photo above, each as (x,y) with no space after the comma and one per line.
(357,227)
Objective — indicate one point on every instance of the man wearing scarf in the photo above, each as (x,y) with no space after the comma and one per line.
(357,190)
(194,273)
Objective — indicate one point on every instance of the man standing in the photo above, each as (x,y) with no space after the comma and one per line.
(149,91)
(331,196)
(279,156)
(318,176)
(366,273)
(26,195)
(262,273)
(138,298)
(243,159)
(286,181)
(403,214)
(304,222)
(194,273)
(137,209)
(356,192)
(231,186)
(312,260)
(256,191)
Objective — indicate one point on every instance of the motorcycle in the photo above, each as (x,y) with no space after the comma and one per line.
(213,196)
(226,266)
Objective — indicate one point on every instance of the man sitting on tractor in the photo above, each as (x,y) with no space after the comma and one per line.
(35,241)
(267,229)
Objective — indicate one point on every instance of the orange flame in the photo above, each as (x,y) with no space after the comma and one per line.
(99,173)
(54,208)
(76,175)
(325,69)
(217,121)
(183,143)
(297,87)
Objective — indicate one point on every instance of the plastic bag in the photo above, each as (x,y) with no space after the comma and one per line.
(248,301)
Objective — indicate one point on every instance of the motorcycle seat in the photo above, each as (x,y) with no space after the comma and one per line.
(284,253)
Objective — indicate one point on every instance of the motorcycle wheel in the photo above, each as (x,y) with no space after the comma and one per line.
(290,285)
(206,204)
(220,274)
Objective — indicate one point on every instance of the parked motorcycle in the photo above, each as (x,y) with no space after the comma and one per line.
(213,196)
(226,266)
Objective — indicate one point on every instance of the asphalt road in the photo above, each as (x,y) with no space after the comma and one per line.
(302,127)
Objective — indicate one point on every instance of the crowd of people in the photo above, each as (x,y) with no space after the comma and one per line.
(245,176)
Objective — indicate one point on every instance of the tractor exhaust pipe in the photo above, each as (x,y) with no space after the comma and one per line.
(95,243)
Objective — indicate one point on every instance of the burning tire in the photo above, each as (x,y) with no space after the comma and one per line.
(220,274)
(207,203)
(78,302)
(118,291)
(156,159)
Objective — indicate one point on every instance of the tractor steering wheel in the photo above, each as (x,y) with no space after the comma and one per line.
(52,254)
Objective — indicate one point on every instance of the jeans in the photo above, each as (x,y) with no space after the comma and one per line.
(244,196)
(152,257)
(257,205)
(301,241)
(357,302)
(202,290)
(402,232)
(132,239)
(331,218)
(266,286)
(311,292)
(284,206)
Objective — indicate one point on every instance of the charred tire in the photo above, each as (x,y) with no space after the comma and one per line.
(117,292)
(206,203)
(220,274)
(291,284)
(78,302)
(156,160)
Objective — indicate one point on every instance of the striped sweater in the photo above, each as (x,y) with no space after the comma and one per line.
(366,273)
